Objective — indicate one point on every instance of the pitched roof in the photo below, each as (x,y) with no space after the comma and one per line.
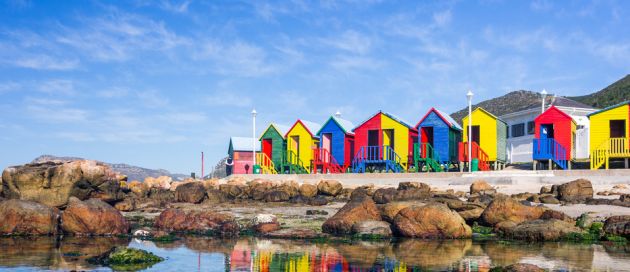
(310,127)
(610,108)
(486,112)
(558,110)
(344,124)
(560,101)
(282,129)
(445,117)
(244,143)
(395,118)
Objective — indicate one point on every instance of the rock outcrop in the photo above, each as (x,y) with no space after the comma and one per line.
(434,220)
(201,222)
(481,187)
(542,230)
(265,223)
(308,190)
(92,217)
(192,192)
(505,209)
(579,190)
(618,225)
(354,211)
(52,183)
(372,228)
(20,217)
(329,187)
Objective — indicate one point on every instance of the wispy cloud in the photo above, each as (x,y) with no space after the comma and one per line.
(351,41)
(114,92)
(228,98)
(44,62)
(152,99)
(9,86)
(175,6)
(238,58)
(58,86)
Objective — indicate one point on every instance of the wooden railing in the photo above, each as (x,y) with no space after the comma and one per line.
(550,149)
(477,153)
(376,154)
(322,157)
(266,164)
(294,162)
(426,153)
(611,148)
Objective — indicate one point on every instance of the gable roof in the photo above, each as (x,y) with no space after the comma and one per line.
(558,110)
(243,143)
(281,129)
(310,127)
(393,117)
(561,101)
(486,112)
(344,124)
(445,118)
(609,108)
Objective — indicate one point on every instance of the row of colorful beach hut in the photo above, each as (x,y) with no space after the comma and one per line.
(437,143)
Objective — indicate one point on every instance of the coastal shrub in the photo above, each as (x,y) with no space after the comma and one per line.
(132,259)
(164,238)
(616,239)
(594,234)
(476,228)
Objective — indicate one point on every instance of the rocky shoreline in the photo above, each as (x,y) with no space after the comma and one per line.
(85,198)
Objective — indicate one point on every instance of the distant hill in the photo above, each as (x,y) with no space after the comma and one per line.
(611,95)
(511,102)
(522,100)
(132,172)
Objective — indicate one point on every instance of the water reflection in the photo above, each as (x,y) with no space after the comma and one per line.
(253,254)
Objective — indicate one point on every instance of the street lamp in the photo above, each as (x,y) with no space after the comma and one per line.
(469,95)
(254,138)
(543,94)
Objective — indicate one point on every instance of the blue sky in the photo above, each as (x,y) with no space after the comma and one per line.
(154,83)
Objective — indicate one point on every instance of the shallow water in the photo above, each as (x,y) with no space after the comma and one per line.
(256,254)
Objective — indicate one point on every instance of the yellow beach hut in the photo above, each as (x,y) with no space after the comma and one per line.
(489,137)
(301,140)
(609,135)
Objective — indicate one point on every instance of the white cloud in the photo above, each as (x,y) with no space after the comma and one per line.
(443,18)
(57,114)
(177,7)
(541,5)
(182,118)
(238,58)
(44,62)
(152,99)
(9,86)
(351,41)
(114,92)
(350,63)
(58,86)
(228,98)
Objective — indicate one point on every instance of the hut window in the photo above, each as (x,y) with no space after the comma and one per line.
(617,128)
(530,127)
(518,130)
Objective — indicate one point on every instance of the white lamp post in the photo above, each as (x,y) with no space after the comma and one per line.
(544,95)
(254,138)
(469,95)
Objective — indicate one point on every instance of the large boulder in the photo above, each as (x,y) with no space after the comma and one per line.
(503,209)
(481,187)
(308,190)
(265,223)
(618,225)
(259,187)
(329,187)
(390,210)
(235,190)
(575,191)
(192,192)
(384,195)
(126,205)
(200,222)
(353,212)
(541,230)
(161,182)
(92,217)
(52,183)
(20,217)
(434,220)
(372,228)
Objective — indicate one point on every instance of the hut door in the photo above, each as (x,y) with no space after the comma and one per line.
(388,137)
(295,145)
(546,131)
(327,144)
(475,135)
(427,135)
(373,138)
(267,147)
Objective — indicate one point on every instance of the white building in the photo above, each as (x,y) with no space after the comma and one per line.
(521,129)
